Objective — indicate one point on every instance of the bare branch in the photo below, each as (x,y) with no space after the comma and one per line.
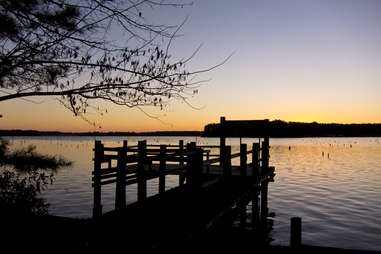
(89,50)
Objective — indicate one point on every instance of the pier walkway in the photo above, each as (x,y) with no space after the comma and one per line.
(210,195)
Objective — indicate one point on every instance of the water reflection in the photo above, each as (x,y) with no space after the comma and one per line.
(338,196)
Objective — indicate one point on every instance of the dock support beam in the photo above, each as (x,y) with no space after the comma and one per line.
(222,140)
(120,192)
(264,207)
(181,151)
(98,155)
(296,232)
(255,209)
(163,150)
(197,174)
(243,160)
(142,181)
(256,177)
(255,162)
(265,155)
(181,163)
(194,165)
(227,164)
(191,149)
(207,165)
(243,173)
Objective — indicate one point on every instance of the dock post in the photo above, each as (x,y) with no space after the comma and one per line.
(296,232)
(142,181)
(181,163)
(97,202)
(120,192)
(163,151)
(243,159)
(191,162)
(181,150)
(207,165)
(227,165)
(265,155)
(198,168)
(222,140)
(243,173)
(255,209)
(264,206)
(255,161)
(255,175)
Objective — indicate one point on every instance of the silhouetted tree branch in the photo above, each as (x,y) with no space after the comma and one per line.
(86,50)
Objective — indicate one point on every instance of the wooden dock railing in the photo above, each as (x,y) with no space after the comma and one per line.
(194,164)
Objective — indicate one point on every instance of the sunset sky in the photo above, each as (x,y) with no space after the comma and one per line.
(295,60)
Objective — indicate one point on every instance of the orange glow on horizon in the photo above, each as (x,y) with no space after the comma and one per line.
(113,123)
(322,65)
(51,116)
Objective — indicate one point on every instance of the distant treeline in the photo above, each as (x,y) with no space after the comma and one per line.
(278,128)
(57,133)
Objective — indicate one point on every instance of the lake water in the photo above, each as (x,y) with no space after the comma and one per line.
(334,184)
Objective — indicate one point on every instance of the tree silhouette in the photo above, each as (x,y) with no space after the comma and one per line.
(24,174)
(84,50)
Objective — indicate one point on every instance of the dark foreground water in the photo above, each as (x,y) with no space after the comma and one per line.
(334,184)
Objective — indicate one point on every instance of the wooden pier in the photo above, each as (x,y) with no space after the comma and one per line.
(211,192)
(206,211)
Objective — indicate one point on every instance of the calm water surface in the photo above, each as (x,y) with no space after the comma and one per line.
(337,194)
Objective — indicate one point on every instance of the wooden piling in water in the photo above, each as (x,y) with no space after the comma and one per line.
(120,192)
(207,158)
(255,210)
(162,167)
(197,173)
(255,175)
(191,147)
(264,203)
(181,151)
(264,183)
(194,165)
(255,161)
(296,232)
(227,165)
(222,140)
(265,154)
(181,162)
(142,181)
(98,156)
(243,159)
(243,173)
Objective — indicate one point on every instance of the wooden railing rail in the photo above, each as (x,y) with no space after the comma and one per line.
(127,165)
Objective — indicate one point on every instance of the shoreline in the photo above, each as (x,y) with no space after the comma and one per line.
(160,134)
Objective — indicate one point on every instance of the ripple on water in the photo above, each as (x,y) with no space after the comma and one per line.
(338,198)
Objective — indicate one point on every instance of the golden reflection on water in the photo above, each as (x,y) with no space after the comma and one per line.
(335,186)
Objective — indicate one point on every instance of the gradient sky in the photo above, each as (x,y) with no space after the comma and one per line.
(295,60)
